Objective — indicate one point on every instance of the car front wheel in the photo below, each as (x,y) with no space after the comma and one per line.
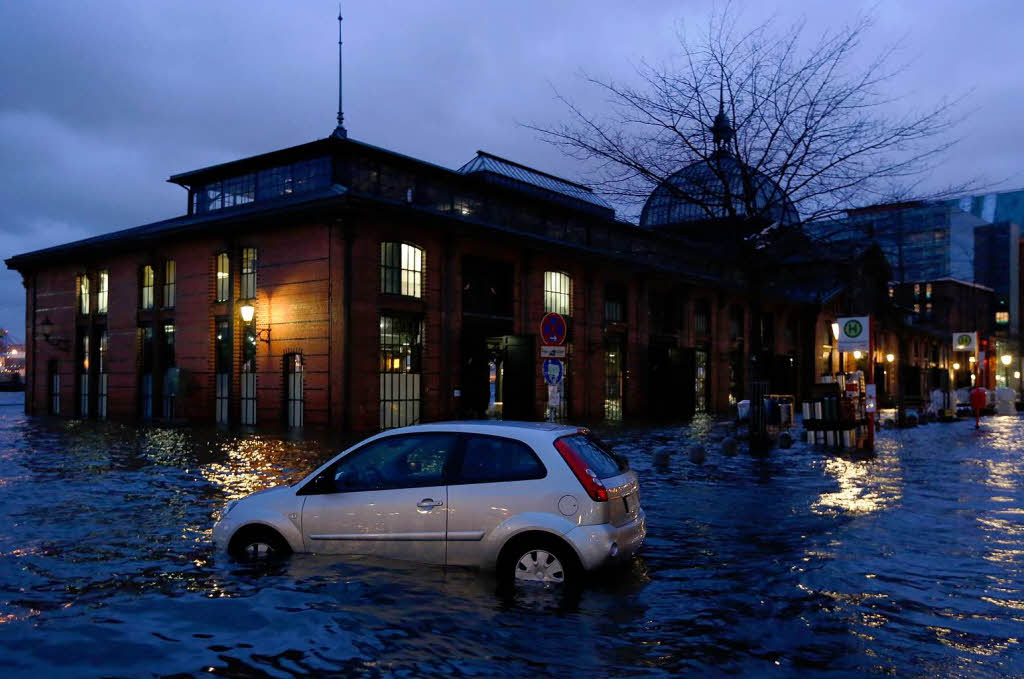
(258,544)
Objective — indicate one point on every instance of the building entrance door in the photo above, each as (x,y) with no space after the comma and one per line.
(518,386)
(498,372)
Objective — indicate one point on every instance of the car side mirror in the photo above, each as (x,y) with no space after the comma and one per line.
(321,484)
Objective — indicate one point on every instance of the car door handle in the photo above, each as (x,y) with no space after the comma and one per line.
(429,503)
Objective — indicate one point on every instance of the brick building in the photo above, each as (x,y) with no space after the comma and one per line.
(385,290)
(342,285)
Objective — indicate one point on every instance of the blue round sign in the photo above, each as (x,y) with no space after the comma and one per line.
(554,371)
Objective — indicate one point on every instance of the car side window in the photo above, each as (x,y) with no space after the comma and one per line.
(407,461)
(488,459)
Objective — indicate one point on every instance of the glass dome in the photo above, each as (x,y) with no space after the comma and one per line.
(677,200)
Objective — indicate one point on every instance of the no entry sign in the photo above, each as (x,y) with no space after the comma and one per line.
(552,329)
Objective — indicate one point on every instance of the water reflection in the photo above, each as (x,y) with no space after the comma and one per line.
(865,486)
(802,564)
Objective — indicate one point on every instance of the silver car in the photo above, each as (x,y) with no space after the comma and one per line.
(535,501)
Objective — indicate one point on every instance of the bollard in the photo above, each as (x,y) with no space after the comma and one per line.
(662,457)
(785,440)
(697,455)
(729,446)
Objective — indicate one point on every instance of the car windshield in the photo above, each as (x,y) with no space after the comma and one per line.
(598,456)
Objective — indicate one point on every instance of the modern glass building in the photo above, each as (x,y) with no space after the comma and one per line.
(922,241)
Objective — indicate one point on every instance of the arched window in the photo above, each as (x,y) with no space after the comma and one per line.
(557,293)
(401,269)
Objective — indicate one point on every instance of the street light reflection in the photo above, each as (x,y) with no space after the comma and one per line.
(865,486)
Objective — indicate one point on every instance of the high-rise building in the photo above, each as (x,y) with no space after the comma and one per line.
(921,240)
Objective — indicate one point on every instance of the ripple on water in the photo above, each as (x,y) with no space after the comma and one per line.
(801,564)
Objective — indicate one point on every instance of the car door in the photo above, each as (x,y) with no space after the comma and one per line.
(385,499)
(493,479)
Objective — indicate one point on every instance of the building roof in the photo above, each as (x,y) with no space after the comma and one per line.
(178,224)
(714,188)
(492,165)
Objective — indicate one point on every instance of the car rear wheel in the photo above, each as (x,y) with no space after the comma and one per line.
(539,560)
(258,544)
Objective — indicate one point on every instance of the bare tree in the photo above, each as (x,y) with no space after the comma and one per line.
(808,119)
(772,131)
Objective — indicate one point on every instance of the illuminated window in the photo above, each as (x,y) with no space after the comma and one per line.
(103,284)
(557,293)
(892,291)
(917,290)
(223,277)
(401,351)
(917,307)
(1002,317)
(147,287)
(401,269)
(248,273)
(83,294)
(928,290)
(170,283)
(928,309)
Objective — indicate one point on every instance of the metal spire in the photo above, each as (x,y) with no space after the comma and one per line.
(340,130)
(721,130)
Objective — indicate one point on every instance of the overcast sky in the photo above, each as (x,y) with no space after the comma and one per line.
(102,100)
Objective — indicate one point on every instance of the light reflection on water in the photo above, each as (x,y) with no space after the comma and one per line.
(802,564)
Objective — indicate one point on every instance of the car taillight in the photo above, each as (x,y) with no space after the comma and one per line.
(587,478)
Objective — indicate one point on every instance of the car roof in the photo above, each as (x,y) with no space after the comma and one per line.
(510,428)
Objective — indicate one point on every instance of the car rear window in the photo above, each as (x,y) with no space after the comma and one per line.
(597,455)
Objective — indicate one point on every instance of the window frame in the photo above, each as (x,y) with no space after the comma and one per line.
(83,294)
(217,278)
(409,280)
(315,486)
(102,291)
(150,287)
(170,284)
(553,294)
(248,280)
(454,466)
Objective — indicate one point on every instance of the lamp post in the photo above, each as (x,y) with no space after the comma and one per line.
(835,341)
(1007,359)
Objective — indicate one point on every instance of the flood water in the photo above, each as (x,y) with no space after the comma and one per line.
(803,564)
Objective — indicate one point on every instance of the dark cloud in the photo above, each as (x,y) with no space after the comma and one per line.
(100,101)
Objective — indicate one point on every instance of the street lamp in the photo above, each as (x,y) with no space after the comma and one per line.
(956,366)
(1007,359)
(890,358)
(247,312)
(835,331)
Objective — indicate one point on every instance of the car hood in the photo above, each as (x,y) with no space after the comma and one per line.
(268,491)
